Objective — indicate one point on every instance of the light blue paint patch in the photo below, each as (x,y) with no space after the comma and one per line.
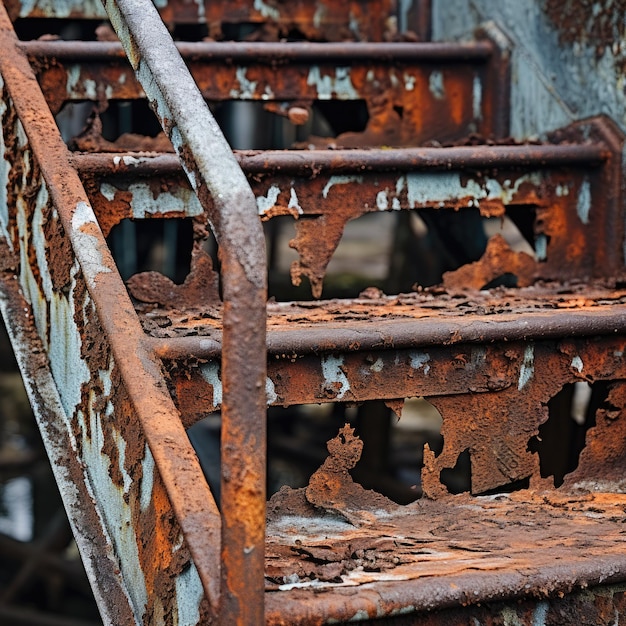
(527,370)
(541,247)
(270,391)
(477,98)
(540,613)
(340,180)
(577,364)
(147,480)
(189,594)
(420,360)
(436,86)
(583,206)
(210,373)
(333,374)
(377,366)
(265,203)
(329,87)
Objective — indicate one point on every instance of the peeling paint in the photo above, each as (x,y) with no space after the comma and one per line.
(335,378)
(247,88)
(62,8)
(330,86)
(381,200)
(577,364)
(4,177)
(445,186)
(265,203)
(377,366)
(541,247)
(540,613)
(78,85)
(211,373)
(180,200)
(189,595)
(270,391)
(293,202)
(147,480)
(477,98)
(129,160)
(340,180)
(583,206)
(436,85)
(266,10)
(527,369)
(88,244)
(420,360)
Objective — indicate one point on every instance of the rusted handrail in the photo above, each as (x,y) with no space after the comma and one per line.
(215,174)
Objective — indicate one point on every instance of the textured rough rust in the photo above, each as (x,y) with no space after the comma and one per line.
(604,456)
(323,190)
(200,289)
(331,487)
(214,173)
(498,260)
(377,565)
(599,24)
(45,197)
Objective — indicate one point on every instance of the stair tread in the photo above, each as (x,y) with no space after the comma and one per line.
(429,317)
(533,543)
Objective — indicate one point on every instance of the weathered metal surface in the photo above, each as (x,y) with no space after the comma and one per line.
(214,173)
(490,361)
(322,190)
(127,450)
(567,58)
(414,92)
(389,566)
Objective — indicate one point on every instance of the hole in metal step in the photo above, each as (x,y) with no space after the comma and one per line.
(561,438)
(160,245)
(457,479)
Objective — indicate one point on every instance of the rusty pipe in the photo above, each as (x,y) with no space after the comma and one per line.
(275,52)
(314,162)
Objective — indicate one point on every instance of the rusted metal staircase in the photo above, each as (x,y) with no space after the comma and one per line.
(116,373)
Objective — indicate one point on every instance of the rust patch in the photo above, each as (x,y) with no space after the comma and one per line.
(201,286)
(497,260)
(91,140)
(331,489)
(597,23)
(58,253)
(396,406)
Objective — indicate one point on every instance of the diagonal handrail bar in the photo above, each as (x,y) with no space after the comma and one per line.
(214,173)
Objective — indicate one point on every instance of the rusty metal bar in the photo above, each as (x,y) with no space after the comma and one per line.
(309,162)
(141,373)
(214,173)
(274,53)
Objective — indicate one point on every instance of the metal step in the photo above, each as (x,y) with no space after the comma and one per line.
(415,92)
(323,190)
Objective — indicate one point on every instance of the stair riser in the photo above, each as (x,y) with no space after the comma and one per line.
(411,97)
